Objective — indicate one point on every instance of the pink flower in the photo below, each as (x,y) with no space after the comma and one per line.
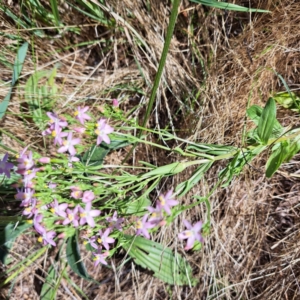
(104,239)
(88,196)
(81,115)
(29,211)
(68,145)
(25,161)
(115,222)
(76,192)
(24,194)
(47,238)
(54,119)
(166,201)
(156,216)
(100,257)
(72,216)
(102,131)
(5,166)
(87,215)
(58,134)
(59,209)
(38,218)
(192,234)
(142,227)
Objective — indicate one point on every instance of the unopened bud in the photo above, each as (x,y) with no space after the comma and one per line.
(44,160)
(115,103)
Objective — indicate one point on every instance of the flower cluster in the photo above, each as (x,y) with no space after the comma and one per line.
(61,194)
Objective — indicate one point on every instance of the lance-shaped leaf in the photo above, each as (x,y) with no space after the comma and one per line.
(16,73)
(227,6)
(277,157)
(267,121)
(168,267)
(74,258)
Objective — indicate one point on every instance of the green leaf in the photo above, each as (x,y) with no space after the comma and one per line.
(74,258)
(227,6)
(267,121)
(96,154)
(186,186)
(288,100)
(8,234)
(236,165)
(254,113)
(138,207)
(40,97)
(168,267)
(16,73)
(48,290)
(276,159)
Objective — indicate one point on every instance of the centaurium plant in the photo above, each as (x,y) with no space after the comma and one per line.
(61,194)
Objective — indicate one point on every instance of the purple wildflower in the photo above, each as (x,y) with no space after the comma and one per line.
(88,196)
(24,194)
(192,234)
(142,227)
(55,120)
(115,222)
(166,201)
(5,166)
(156,216)
(58,134)
(76,192)
(104,239)
(59,209)
(72,216)
(25,161)
(81,115)
(100,257)
(68,145)
(38,218)
(87,215)
(47,238)
(102,131)
(29,211)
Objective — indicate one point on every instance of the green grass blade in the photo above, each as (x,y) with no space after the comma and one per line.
(16,73)
(227,6)
(55,12)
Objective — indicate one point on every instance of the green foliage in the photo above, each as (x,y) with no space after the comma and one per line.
(185,186)
(49,290)
(168,267)
(236,165)
(266,121)
(96,154)
(227,6)
(18,65)
(138,207)
(41,97)
(93,11)
(74,257)
(8,234)
(288,100)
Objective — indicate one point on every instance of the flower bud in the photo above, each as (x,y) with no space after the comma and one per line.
(44,160)
(115,103)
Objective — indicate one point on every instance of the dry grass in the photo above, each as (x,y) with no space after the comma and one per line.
(253,249)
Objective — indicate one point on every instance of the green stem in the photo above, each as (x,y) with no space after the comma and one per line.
(161,66)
